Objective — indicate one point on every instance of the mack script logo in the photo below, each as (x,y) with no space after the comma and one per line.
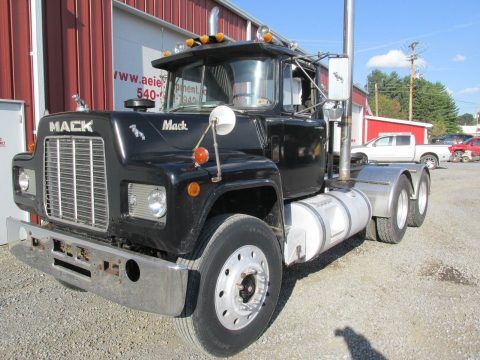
(170,125)
(71,126)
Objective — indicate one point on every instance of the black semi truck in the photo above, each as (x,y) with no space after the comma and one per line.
(193,212)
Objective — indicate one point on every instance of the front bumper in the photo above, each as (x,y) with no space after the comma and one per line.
(131,279)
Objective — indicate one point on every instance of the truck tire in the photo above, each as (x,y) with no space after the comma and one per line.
(418,207)
(430,160)
(233,286)
(391,230)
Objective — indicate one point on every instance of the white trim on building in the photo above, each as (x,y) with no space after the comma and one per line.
(398,121)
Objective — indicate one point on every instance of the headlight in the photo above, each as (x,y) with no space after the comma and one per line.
(147,202)
(23,180)
(157,202)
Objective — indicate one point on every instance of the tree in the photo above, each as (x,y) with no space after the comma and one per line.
(388,107)
(431,101)
(466,119)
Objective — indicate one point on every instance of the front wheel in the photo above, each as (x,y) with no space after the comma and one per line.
(430,160)
(363,158)
(233,286)
(457,155)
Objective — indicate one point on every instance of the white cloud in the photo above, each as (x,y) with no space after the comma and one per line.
(470,90)
(394,59)
(449,91)
(459,58)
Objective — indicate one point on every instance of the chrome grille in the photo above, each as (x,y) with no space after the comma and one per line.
(75,186)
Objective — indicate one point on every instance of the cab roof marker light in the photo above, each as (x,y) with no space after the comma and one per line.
(204,39)
(219,37)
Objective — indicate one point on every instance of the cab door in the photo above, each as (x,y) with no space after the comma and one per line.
(302,157)
(476,146)
(381,149)
(404,149)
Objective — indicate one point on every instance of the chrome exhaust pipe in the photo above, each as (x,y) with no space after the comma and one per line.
(346,124)
(213,21)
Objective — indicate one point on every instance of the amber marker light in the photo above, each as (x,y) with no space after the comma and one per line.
(219,37)
(189,42)
(204,39)
(31,147)
(166,53)
(200,155)
(193,189)
(267,37)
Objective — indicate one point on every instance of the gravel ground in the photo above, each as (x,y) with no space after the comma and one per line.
(362,299)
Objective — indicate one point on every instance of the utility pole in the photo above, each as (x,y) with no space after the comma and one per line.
(376,99)
(413,56)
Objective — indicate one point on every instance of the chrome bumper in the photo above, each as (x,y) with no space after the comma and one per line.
(134,280)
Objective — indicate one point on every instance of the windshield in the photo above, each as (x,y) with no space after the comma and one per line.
(239,83)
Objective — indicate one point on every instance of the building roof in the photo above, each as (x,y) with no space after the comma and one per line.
(399,121)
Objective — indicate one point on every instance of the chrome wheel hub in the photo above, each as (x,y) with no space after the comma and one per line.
(402,209)
(422,197)
(430,162)
(242,287)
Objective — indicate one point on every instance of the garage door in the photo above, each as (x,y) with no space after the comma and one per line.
(357,124)
(136,42)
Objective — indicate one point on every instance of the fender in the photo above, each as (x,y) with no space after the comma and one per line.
(416,171)
(378,183)
(270,178)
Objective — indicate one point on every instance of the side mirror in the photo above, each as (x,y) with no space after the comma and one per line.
(338,81)
(224,119)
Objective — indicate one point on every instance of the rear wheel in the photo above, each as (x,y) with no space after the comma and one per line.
(430,160)
(233,286)
(418,207)
(391,230)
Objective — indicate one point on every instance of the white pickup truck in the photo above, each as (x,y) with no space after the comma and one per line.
(401,147)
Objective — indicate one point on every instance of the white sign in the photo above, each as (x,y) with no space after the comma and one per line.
(136,42)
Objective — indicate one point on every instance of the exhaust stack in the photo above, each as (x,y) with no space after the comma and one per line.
(213,21)
(346,124)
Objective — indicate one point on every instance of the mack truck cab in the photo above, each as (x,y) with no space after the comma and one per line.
(194,211)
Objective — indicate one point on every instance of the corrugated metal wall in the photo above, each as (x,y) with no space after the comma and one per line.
(78,43)
(78,53)
(375,127)
(15,60)
(192,15)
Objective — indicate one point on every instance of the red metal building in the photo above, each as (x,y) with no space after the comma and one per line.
(375,126)
(52,49)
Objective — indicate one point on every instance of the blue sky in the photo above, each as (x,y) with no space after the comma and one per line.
(448,32)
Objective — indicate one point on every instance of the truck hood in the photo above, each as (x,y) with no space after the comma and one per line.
(138,135)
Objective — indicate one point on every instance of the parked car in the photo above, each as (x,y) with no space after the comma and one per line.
(457,150)
(401,147)
(451,139)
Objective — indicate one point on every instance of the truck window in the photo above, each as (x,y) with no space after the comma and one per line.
(240,83)
(384,141)
(403,140)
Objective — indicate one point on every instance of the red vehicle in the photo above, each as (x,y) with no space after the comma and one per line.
(457,150)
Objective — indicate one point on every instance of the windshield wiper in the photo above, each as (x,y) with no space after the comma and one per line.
(204,106)
(191,106)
